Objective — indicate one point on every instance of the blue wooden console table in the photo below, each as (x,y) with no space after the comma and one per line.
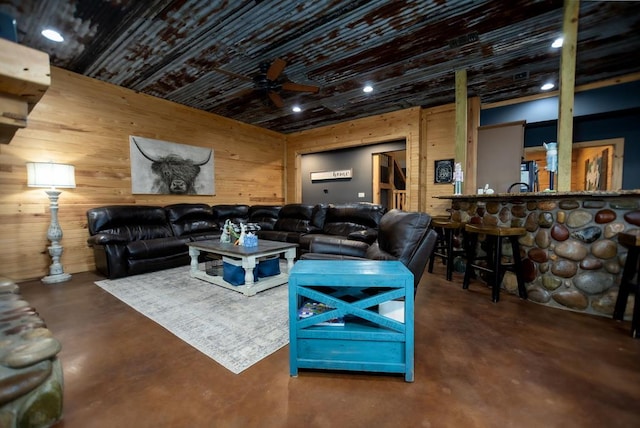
(367,341)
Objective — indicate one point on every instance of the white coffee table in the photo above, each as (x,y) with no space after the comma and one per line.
(249,257)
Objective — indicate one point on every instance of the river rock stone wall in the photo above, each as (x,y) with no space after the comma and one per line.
(571,256)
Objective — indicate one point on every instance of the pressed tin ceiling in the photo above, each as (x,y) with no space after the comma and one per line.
(205,53)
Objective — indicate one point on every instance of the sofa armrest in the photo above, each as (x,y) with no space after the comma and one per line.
(107,238)
(343,247)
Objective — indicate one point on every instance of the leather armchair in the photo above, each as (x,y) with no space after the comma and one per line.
(403,236)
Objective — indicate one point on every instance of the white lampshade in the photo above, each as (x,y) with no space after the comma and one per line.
(47,174)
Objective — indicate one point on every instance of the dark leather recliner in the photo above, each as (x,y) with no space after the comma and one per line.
(357,221)
(403,236)
(129,240)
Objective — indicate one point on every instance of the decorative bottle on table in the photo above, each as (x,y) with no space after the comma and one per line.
(458,179)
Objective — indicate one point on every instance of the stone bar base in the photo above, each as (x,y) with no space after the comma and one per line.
(31,383)
(572,259)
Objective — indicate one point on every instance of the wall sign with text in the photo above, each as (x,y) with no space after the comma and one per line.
(332,175)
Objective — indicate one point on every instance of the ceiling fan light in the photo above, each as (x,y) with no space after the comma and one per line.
(296,109)
(367,89)
(52,35)
(547,86)
(557,43)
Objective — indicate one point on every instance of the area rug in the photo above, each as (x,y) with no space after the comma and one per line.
(235,330)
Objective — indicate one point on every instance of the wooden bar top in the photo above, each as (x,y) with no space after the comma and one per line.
(545,195)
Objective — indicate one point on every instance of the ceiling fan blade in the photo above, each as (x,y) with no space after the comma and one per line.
(290,86)
(276,99)
(232,74)
(276,68)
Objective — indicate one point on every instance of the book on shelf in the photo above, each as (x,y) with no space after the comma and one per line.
(310,309)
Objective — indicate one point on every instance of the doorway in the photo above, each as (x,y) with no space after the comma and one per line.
(389,179)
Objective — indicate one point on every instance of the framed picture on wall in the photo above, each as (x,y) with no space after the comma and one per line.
(443,171)
(595,177)
(166,168)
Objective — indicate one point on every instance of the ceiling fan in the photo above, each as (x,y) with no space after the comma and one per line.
(269,82)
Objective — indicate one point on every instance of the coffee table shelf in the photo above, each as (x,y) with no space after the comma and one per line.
(249,258)
(367,341)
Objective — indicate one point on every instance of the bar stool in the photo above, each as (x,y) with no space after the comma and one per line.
(446,229)
(632,242)
(494,238)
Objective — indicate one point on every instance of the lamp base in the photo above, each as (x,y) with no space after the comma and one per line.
(54,279)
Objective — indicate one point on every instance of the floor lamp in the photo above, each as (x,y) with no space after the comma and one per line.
(46,174)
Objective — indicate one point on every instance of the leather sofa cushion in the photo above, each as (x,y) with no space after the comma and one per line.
(279,235)
(192,219)
(238,213)
(340,246)
(264,215)
(154,248)
(300,218)
(342,219)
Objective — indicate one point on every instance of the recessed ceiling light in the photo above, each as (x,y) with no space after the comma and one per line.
(557,43)
(547,86)
(296,109)
(367,89)
(52,35)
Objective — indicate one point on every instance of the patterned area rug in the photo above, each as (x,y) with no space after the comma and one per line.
(234,330)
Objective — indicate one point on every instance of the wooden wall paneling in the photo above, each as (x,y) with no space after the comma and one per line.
(473,123)
(87,123)
(438,142)
(403,124)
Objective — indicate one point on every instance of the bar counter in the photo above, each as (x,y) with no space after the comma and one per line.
(572,259)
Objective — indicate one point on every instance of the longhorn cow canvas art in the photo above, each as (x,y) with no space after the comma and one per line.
(164,168)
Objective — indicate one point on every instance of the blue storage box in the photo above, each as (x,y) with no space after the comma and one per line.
(268,267)
(233,272)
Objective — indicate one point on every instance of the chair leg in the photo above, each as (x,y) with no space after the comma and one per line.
(635,322)
(628,272)
(432,259)
(498,271)
(471,240)
(517,261)
(448,237)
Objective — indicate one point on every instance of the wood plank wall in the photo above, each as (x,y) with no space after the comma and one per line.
(87,123)
(438,143)
(403,124)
